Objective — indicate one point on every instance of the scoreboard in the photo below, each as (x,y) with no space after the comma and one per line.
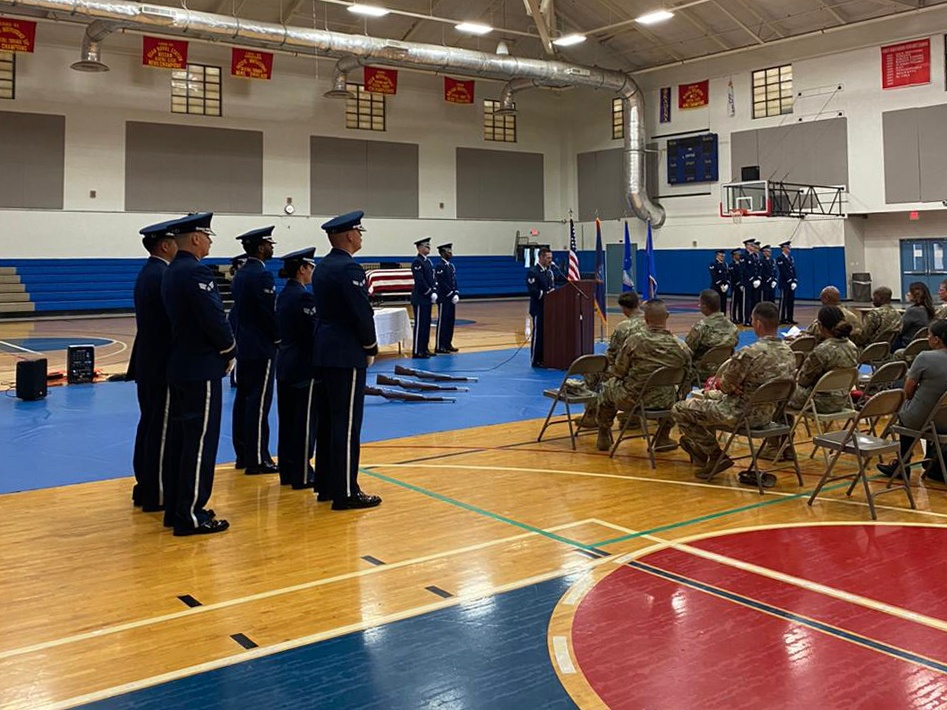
(692,159)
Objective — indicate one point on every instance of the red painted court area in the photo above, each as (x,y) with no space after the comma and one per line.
(836,616)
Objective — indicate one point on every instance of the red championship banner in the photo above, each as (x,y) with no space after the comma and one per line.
(693,95)
(381,81)
(457,91)
(17,35)
(906,64)
(163,53)
(251,64)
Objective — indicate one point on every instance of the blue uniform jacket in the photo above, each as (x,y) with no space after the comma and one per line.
(719,274)
(345,322)
(296,316)
(254,306)
(424,285)
(539,282)
(768,272)
(446,277)
(201,340)
(787,270)
(752,269)
(149,358)
(736,273)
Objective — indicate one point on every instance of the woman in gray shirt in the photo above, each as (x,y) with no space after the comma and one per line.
(919,313)
(926,382)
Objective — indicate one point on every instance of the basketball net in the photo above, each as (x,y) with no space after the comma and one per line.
(737,214)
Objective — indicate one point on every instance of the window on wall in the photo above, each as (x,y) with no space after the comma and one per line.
(772,91)
(618,119)
(364,111)
(7,75)
(196,90)
(497,127)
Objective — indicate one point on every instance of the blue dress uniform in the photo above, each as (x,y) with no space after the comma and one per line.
(148,366)
(752,281)
(720,279)
(202,345)
(770,277)
(445,276)
(736,283)
(343,340)
(787,284)
(423,298)
(236,263)
(257,336)
(539,282)
(296,316)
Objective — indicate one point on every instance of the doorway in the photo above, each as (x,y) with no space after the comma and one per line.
(923,260)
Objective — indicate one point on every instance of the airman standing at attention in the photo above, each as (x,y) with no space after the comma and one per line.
(423,298)
(445,275)
(720,278)
(202,353)
(736,282)
(254,302)
(787,284)
(539,282)
(769,274)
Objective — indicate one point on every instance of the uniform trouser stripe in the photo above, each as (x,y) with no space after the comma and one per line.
(348,439)
(200,456)
(163,445)
(259,422)
(437,330)
(532,337)
(305,453)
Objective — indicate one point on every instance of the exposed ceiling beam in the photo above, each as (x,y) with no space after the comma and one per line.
(292,9)
(622,60)
(725,11)
(532,7)
(769,23)
(708,33)
(829,9)
(417,23)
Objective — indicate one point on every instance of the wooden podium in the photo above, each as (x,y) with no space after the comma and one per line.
(569,323)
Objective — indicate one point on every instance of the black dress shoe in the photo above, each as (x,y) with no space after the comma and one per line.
(442,351)
(208,527)
(421,356)
(151,508)
(453,349)
(239,465)
(359,500)
(265,467)
(891,470)
(323,498)
(302,486)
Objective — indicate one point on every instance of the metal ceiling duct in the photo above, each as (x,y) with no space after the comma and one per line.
(91,54)
(269,35)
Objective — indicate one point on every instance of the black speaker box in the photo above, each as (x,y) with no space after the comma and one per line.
(31,379)
(749,172)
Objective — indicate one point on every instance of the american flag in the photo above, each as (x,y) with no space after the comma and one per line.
(574,274)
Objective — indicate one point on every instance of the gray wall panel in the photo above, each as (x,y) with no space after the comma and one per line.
(215,169)
(813,153)
(932,152)
(902,161)
(744,151)
(32,156)
(500,184)
(379,177)
(601,186)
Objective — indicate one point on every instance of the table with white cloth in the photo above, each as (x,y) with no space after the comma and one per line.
(392,326)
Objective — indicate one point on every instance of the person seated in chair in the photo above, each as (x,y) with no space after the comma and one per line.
(918,314)
(926,382)
(830,296)
(767,359)
(643,353)
(711,331)
(880,322)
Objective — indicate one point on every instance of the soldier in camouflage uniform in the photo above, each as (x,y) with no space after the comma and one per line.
(713,330)
(830,296)
(767,359)
(833,353)
(642,354)
(633,323)
(941,313)
(880,322)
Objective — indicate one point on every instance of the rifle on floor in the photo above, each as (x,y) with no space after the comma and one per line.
(436,376)
(412,385)
(405,396)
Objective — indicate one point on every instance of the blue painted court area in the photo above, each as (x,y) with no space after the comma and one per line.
(43,345)
(488,653)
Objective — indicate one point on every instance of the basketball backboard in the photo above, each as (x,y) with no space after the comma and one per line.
(750,198)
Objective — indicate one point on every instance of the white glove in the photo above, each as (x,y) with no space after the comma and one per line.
(792,286)
(772,284)
(724,287)
(369,360)
(230,364)
(756,283)
(455,299)
(433,298)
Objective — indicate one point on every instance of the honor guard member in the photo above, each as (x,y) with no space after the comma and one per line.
(787,284)
(720,278)
(148,366)
(423,298)
(202,352)
(445,277)
(770,275)
(344,345)
(539,282)
(296,316)
(752,280)
(236,263)
(736,282)
(257,335)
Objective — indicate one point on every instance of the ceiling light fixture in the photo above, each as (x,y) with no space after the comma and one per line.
(370,10)
(569,40)
(473,28)
(652,18)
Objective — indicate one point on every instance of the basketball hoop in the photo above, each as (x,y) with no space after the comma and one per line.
(737,214)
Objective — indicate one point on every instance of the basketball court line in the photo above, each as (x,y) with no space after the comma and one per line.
(192,611)
(17,347)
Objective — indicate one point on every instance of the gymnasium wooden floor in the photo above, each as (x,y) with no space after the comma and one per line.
(499,572)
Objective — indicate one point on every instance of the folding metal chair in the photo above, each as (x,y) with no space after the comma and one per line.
(662,377)
(922,332)
(583,365)
(931,432)
(711,360)
(843,378)
(914,348)
(875,354)
(852,441)
(800,358)
(777,394)
(885,377)
(803,344)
